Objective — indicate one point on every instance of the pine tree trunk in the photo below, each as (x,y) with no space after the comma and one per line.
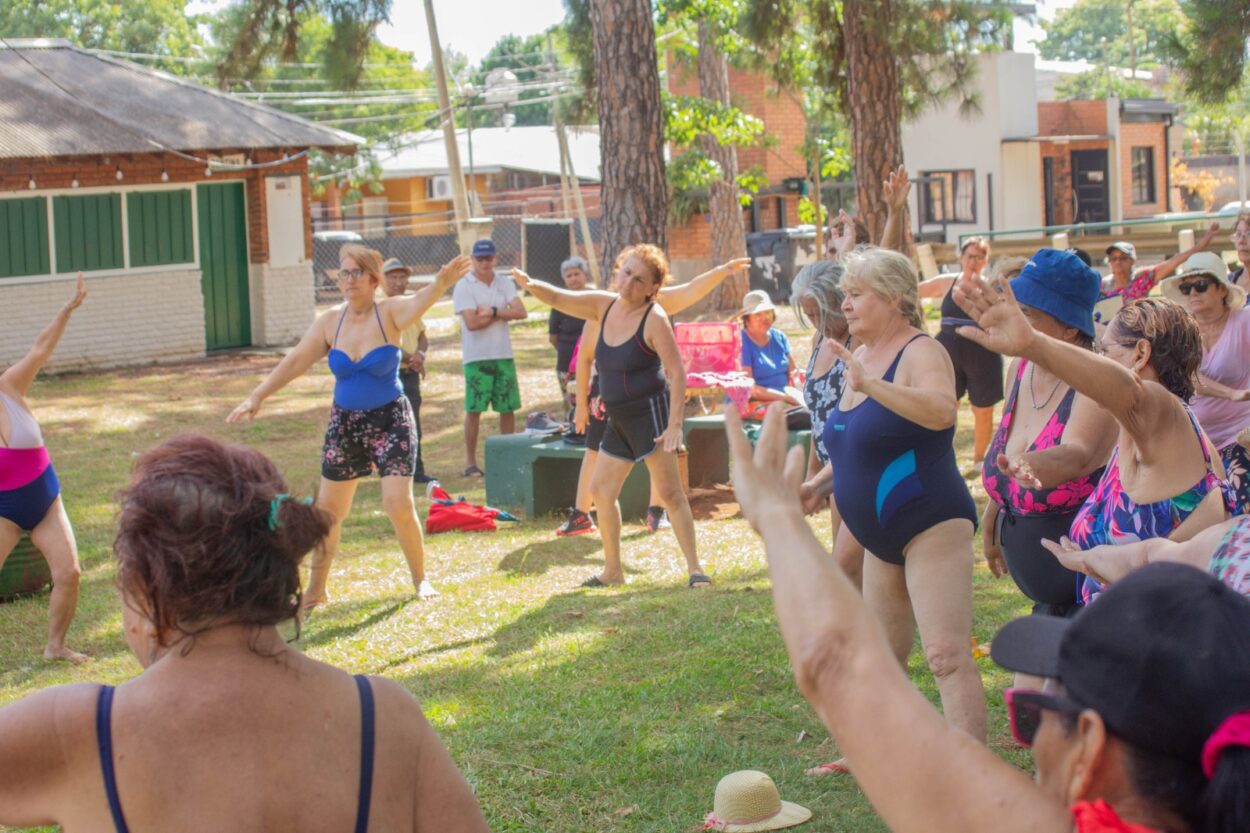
(635,195)
(728,234)
(875,104)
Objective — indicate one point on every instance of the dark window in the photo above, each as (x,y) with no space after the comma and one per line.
(949,197)
(159,226)
(1143,175)
(24,237)
(88,232)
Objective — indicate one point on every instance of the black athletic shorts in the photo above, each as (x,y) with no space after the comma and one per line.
(978,372)
(632,428)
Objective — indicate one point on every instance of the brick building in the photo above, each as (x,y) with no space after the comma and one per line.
(187,210)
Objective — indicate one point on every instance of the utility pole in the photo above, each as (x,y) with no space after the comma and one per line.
(447,116)
(566,170)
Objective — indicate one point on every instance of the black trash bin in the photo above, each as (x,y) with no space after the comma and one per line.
(777,255)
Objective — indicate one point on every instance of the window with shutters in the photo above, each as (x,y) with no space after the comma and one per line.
(158,224)
(88,232)
(24,237)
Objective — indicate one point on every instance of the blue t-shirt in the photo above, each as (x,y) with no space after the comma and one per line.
(770,364)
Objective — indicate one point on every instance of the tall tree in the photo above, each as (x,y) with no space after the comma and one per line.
(1097,31)
(1211,46)
(635,196)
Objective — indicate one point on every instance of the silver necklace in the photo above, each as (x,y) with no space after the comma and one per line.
(1033,393)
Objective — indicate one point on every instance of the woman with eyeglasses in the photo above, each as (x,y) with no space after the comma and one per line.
(371,424)
(1164,478)
(1222,404)
(1141,725)
(1241,241)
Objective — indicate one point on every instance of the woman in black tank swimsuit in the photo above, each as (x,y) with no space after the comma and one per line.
(643,386)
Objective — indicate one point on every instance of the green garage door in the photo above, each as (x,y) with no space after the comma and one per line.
(223,258)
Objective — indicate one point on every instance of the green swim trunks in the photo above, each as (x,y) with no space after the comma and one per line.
(491,383)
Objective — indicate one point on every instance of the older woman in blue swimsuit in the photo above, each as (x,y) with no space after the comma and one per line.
(896,483)
(371,423)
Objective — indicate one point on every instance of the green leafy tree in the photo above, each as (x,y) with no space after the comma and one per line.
(530,61)
(1210,47)
(156,27)
(1099,83)
(1098,31)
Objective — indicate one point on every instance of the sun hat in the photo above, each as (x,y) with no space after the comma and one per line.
(484,248)
(1163,656)
(1060,285)
(747,801)
(756,300)
(1124,246)
(1204,263)
(393,265)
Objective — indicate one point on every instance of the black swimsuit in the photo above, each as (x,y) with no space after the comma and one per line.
(635,394)
(978,372)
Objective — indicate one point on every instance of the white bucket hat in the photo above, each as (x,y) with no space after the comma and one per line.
(747,801)
(756,300)
(1211,265)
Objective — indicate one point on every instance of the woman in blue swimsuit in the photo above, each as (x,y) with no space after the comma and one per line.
(896,484)
(371,423)
(228,727)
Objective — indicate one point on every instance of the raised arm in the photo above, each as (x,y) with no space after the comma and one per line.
(924,392)
(19,377)
(1167,267)
(895,190)
(661,339)
(40,739)
(312,347)
(675,299)
(406,309)
(1140,407)
(920,773)
(589,304)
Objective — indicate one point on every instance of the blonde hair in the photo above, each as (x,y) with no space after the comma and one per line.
(1006,268)
(980,242)
(367,259)
(889,275)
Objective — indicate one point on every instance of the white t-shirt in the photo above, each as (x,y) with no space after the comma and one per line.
(492,341)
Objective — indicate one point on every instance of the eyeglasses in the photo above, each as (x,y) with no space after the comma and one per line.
(1241,234)
(1025,707)
(483,258)
(1200,286)
(348,275)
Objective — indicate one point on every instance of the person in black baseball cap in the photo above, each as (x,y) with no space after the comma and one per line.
(1142,723)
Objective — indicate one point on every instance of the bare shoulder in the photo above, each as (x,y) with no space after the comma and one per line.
(923,357)
(64,714)
(399,710)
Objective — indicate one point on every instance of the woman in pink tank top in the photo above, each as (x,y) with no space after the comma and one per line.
(30,495)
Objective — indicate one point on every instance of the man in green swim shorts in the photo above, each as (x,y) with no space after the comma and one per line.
(487,302)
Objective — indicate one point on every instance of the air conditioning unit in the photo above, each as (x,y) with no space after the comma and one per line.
(438,188)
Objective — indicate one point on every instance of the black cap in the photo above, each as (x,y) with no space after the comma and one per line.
(1163,655)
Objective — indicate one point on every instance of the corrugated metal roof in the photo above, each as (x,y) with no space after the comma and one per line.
(58,100)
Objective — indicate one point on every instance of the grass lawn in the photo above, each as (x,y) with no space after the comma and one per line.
(568,710)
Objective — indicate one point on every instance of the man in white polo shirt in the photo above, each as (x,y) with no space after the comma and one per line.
(487,302)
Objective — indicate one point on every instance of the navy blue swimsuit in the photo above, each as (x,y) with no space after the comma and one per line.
(104,743)
(892,478)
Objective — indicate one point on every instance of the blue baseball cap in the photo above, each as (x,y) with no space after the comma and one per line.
(1060,285)
(484,248)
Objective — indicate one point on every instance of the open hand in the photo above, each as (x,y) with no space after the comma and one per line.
(735,265)
(1067,553)
(671,439)
(1003,327)
(896,188)
(246,410)
(521,279)
(856,375)
(842,236)
(80,295)
(1020,469)
(453,270)
(766,479)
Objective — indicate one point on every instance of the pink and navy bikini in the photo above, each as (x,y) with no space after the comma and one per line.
(1110,516)
(1030,515)
(28,483)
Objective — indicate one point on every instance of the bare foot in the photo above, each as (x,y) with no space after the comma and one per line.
(837,767)
(66,655)
(425,591)
(309,602)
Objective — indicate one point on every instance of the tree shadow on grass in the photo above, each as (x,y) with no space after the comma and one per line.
(334,621)
(536,559)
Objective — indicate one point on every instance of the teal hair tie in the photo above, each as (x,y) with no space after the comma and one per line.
(274,521)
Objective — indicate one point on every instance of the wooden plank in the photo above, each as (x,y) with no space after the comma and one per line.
(25,237)
(223,258)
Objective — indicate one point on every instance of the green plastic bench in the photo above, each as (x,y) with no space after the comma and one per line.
(25,571)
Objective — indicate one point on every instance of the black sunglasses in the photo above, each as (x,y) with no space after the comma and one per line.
(1200,286)
(1025,707)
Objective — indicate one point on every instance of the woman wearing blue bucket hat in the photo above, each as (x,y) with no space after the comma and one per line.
(1052,442)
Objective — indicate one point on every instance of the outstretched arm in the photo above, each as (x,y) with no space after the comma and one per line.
(675,299)
(588,304)
(846,670)
(895,190)
(406,309)
(294,364)
(1167,267)
(1110,562)
(1206,386)
(21,375)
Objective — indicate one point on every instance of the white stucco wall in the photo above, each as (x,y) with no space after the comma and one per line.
(1022,185)
(126,319)
(281,302)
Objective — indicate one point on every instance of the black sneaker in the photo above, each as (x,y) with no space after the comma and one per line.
(577,523)
(657,519)
(424,478)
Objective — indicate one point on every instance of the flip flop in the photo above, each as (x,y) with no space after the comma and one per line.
(595,581)
(699,580)
(473,471)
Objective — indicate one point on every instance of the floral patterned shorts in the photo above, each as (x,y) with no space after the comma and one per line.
(357,442)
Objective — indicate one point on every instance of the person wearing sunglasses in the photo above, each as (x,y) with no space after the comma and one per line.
(1222,403)
(1164,478)
(1141,725)
(1130,285)
(371,424)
